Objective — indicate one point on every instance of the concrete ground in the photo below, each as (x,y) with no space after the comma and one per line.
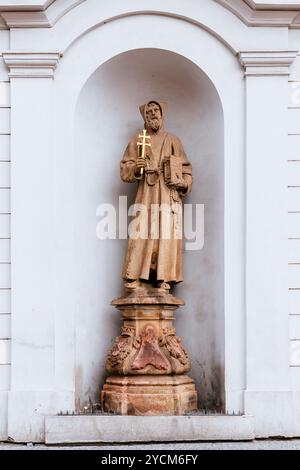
(289,444)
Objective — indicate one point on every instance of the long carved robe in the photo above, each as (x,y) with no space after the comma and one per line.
(156,253)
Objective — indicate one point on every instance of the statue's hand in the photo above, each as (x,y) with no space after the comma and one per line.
(140,163)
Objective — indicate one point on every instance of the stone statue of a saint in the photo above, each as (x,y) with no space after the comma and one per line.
(147,364)
(157,161)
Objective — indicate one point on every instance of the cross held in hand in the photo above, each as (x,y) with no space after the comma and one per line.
(144,142)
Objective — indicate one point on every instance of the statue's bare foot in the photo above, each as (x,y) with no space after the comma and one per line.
(132,285)
(164,285)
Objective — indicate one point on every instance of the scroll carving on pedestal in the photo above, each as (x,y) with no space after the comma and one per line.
(122,347)
(172,343)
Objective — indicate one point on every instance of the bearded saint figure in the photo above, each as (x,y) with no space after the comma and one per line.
(164,176)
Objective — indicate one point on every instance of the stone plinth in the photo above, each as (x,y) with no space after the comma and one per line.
(122,429)
(148,361)
(149,395)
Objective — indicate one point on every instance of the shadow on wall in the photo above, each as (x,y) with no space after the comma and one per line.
(107,116)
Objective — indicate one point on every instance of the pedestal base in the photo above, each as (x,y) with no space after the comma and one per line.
(149,395)
(148,362)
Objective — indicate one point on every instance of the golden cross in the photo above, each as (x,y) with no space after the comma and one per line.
(144,144)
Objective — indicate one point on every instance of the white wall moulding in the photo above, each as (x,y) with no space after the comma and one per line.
(3,25)
(5,275)
(4,148)
(5,331)
(295,327)
(294,276)
(4,201)
(42,16)
(294,198)
(295,381)
(294,301)
(293,146)
(3,68)
(25,4)
(294,249)
(271,4)
(293,121)
(4,377)
(4,251)
(4,174)
(207,14)
(267,63)
(295,69)
(39,5)
(4,351)
(31,64)
(4,226)
(294,174)
(294,224)
(3,414)
(4,120)
(268,396)
(4,95)
(294,91)
(273,15)
(45,15)
(5,301)
(24,19)
(295,352)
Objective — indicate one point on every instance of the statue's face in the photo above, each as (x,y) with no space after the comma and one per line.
(153,117)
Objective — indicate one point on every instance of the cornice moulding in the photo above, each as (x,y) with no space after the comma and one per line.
(261,17)
(24,64)
(26,19)
(45,14)
(267,63)
(37,5)
(43,17)
(258,5)
(3,24)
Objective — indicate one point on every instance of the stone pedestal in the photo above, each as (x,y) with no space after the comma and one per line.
(147,362)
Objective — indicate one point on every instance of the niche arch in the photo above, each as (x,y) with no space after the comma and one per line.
(107,116)
(83,64)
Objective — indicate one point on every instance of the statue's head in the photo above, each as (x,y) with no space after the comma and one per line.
(153,114)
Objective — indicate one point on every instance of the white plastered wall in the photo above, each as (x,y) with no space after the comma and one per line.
(5,307)
(293,223)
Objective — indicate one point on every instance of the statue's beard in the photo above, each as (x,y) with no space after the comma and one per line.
(154,124)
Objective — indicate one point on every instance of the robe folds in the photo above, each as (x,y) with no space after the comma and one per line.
(160,248)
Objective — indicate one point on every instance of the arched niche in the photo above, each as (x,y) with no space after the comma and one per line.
(89,57)
(106,117)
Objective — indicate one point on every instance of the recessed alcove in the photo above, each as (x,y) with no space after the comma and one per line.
(106,117)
